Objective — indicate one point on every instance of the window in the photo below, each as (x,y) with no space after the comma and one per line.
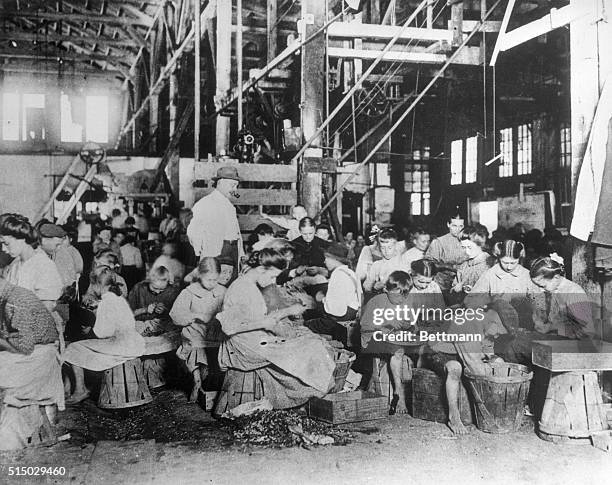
(471,159)
(10,116)
(71,132)
(96,118)
(505,148)
(383,178)
(566,146)
(416,182)
(456,162)
(33,117)
(523,149)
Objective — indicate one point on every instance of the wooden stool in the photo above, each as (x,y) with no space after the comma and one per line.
(154,367)
(124,386)
(239,388)
(573,407)
(429,398)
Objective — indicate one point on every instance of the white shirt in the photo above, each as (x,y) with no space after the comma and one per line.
(214,221)
(131,256)
(343,291)
(381,269)
(38,274)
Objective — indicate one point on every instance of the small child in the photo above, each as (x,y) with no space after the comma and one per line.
(169,260)
(195,310)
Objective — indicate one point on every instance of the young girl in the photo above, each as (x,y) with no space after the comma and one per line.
(107,259)
(473,240)
(568,311)
(396,295)
(195,310)
(423,273)
(117,342)
(506,280)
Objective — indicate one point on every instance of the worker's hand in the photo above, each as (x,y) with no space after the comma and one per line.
(300,270)
(319,296)
(379,285)
(394,325)
(458,288)
(159,308)
(151,308)
(296,309)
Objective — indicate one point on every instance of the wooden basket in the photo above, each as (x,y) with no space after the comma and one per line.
(124,386)
(429,398)
(343,359)
(500,396)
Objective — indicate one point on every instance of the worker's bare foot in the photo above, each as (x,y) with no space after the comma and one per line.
(194,394)
(401,408)
(77,397)
(456,426)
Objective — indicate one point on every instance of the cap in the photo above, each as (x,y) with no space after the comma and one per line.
(337,251)
(227,172)
(51,230)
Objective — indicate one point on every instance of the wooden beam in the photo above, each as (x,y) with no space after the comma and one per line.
(91,18)
(551,21)
(76,39)
(70,56)
(271,32)
(350,30)
(502,32)
(469,56)
(223,69)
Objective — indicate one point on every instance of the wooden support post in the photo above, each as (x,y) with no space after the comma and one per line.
(457,22)
(271,29)
(197,84)
(313,98)
(224,68)
(590,38)
(239,59)
(374,11)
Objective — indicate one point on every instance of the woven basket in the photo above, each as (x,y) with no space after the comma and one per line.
(343,359)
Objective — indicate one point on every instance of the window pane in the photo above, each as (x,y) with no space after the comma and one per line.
(96,118)
(10,117)
(33,117)
(471,159)
(456,161)
(426,207)
(566,146)
(70,131)
(523,151)
(415,204)
(505,148)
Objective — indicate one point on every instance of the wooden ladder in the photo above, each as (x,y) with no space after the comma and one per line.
(84,184)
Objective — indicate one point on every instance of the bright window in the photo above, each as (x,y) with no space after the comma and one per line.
(523,149)
(471,159)
(505,148)
(416,182)
(70,132)
(566,146)
(383,178)
(456,162)
(10,116)
(96,118)
(33,117)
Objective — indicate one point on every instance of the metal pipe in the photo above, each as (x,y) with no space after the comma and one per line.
(403,116)
(347,96)
(196,82)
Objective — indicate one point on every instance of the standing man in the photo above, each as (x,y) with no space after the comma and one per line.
(214,229)
(446,252)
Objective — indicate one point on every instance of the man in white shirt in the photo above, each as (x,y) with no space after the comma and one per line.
(214,229)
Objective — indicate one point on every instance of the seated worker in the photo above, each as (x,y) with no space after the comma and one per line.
(264,341)
(151,301)
(309,249)
(194,310)
(262,234)
(169,260)
(342,301)
(30,369)
(107,259)
(117,339)
(423,273)
(391,261)
(475,356)
(420,240)
(506,280)
(367,254)
(298,213)
(323,232)
(473,240)
(396,294)
(133,266)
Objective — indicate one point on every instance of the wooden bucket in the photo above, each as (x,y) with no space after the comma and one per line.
(573,406)
(154,367)
(429,398)
(343,360)
(239,388)
(124,386)
(500,396)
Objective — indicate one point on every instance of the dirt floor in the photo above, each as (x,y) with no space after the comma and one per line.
(173,441)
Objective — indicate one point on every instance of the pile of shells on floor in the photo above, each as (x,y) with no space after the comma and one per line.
(280,428)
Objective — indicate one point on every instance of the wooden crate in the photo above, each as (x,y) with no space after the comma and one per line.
(572,355)
(348,407)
